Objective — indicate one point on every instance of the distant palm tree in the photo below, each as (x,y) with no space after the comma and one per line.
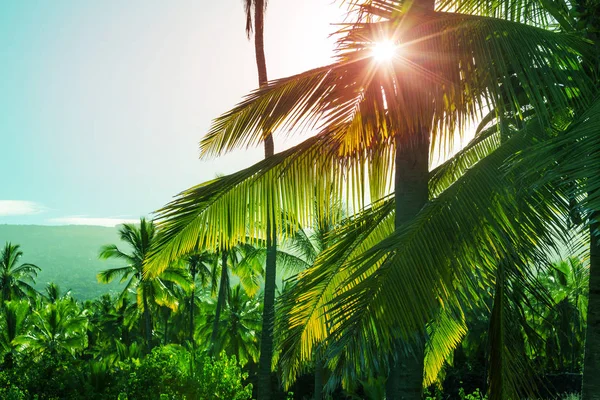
(564,323)
(243,261)
(13,322)
(240,324)
(15,281)
(53,293)
(149,289)
(111,322)
(57,328)
(202,267)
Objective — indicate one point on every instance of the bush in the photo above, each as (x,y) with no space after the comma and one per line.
(159,373)
(165,375)
(221,379)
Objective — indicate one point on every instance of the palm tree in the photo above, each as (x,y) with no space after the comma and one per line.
(111,323)
(53,293)
(149,290)
(258,7)
(201,266)
(563,324)
(224,287)
(303,248)
(13,323)
(240,323)
(57,328)
(242,261)
(375,116)
(15,281)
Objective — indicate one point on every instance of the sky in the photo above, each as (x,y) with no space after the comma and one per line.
(103,102)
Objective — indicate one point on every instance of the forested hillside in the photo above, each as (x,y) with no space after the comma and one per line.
(67,255)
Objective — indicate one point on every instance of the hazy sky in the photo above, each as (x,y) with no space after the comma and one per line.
(103,102)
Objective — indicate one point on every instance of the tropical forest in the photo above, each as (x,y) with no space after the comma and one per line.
(432,233)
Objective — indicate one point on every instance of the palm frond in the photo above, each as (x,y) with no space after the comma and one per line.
(571,160)
(401,288)
(109,275)
(541,13)
(445,334)
(112,251)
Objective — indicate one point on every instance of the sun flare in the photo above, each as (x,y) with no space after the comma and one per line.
(384,51)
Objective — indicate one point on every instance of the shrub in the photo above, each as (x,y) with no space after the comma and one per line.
(222,379)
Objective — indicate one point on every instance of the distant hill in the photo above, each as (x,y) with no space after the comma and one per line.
(67,255)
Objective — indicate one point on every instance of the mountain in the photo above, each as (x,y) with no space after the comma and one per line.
(67,255)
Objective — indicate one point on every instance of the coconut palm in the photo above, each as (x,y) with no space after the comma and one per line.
(111,323)
(242,261)
(13,323)
(15,281)
(53,293)
(570,161)
(240,324)
(563,324)
(307,243)
(202,267)
(56,328)
(377,122)
(149,290)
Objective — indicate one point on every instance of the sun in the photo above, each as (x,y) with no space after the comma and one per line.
(384,51)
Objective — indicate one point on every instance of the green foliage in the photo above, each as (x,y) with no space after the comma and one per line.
(56,328)
(222,379)
(15,280)
(165,373)
(160,372)
(465,259)
(476,395)
(51,377)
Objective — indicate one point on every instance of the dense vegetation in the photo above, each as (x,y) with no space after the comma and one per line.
(56,347)
(401,277)
(68,254)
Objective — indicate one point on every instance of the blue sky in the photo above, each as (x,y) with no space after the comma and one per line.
(103,103)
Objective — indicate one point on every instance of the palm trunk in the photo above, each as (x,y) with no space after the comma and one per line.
(411,186)
(223,286)
(405,379)
(591,364)
(147,322)
(266,340)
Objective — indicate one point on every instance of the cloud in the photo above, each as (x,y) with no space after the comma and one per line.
(96,221)
(19,207)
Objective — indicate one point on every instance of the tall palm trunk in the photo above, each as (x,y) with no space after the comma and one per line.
(266,340)
(223,286)
(405,379)
(591,364)
(147,321)
(411,191)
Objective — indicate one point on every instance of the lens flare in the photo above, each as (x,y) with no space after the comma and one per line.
(384,51)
